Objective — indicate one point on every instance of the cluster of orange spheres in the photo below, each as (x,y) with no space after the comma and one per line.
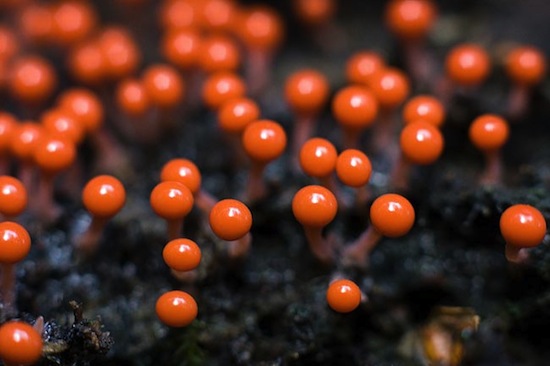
(178,308)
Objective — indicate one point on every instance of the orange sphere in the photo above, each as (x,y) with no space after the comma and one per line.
(8,125)
(132,97)
(25,139)
(171,200)
(219,53)
(33,80)
(183,171)
(164,85)
(353,168)
(176,308)
(314,206)
(306,91)
(343,296)
(314,12)
(522,226)
(104,196)
(391,87)
(526,65)
(318,157)
(182,255)
(9,46)
(410,19)
(219,15)
(54,154)
(73,21)
(36,22)
(264,140)
(13,196)
(421,143)
(355,107)
(178,14)
(362,66)
(87,63)
(121,54)
(467,64)
(62,123)
(392,215)
(489,132)
(182,47)
(235,114)
(426,108)
(85,106)
(230,219)
(260,28)
(221,87)
(20,343)
(15,242)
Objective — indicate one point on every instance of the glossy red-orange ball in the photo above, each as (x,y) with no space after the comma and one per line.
(489,132)
(392,215)
(526,65)
(264,140)
(362,66)
(230,219)
(36,22)
(353,168)
(25,139)
(176,308)
(20,343)
(34,79)
(421,143)
(120,52)
(391,87)
(355,107)
(62,123)
(260,27)
(73,21)
(182,255)
(221,87)
(467,64)
(178,14)
(8,125)
(104,196)
(15,242)
(314,12)
(53,154)
(164,85)
(426,108)
(9,46)
(183,171)
(306,91)
(219,15)
(522,226)
(410,19)
(132,97)
(85,106)
(235,114)
(219,53)
(171,200)
(182,47)
(87,63)
(318,157)
(13,196)
(343,296)
(314,206)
